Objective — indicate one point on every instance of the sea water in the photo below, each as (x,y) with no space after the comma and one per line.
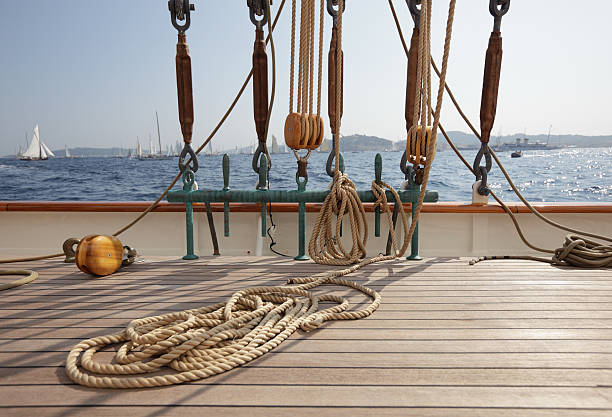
(564,175)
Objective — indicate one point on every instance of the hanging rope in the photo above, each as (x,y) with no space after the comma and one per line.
(576,250)
(204,144)
(211,340)
(304,128)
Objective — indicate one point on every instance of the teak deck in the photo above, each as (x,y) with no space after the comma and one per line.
(499,338)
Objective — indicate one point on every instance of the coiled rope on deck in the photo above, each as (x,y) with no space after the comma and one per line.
(210,340)
(203,342)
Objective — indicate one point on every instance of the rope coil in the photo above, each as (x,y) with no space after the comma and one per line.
(203,342)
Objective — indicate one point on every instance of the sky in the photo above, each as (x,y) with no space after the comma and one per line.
(93,73)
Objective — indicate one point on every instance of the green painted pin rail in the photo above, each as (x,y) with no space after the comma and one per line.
(264,195)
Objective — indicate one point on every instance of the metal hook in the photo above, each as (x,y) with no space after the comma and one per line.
(483,151)
(481,174)
(255,162)
(258,8)
(404,167)
(333,12)
(179,11)
(415,11)
(187,150)
(498,8)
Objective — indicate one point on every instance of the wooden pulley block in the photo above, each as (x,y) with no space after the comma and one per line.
(306,129)
(416,148)
(293,130)
(316,137)
(99,255)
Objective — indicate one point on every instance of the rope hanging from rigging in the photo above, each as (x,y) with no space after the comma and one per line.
(211,340)
(418,96)
(304,127)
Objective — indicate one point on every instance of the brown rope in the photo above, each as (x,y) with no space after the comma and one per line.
(208,139)
(211,340)
(576,250)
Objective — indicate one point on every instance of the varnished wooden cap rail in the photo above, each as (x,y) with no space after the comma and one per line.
(165,207)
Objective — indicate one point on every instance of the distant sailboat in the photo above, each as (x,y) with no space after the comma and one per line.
(324,146)
(275,148)
(68,155)
(153,153)
(37,150)
(138,149)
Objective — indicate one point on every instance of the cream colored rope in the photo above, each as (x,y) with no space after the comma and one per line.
(29,276)
(211,340)
(575,251)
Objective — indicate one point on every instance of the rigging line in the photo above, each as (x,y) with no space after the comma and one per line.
(212,133)
(321,28)
(583,256)
(292,74)
(507,176)
(431,149)
(273,93)
(208,139)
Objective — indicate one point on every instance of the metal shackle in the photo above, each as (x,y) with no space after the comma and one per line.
(498,8)
(179,11)
(258,8)
(415,12)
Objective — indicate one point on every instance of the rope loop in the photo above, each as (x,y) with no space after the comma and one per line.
(582,252)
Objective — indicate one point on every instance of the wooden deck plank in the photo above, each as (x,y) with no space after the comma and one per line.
(317,376)
(390,346)
(373,360)
(502,338)
(143,410)
(305,396)
(21,317)
(380,323)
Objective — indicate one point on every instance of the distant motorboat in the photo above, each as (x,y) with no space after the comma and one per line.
(37,150)
(516,154)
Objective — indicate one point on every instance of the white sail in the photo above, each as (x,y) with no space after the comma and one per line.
(139,150)
(37,149)
(67,152)
(34,149)
(46,149)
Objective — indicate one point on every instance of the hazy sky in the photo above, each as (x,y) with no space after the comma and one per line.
(92,73)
